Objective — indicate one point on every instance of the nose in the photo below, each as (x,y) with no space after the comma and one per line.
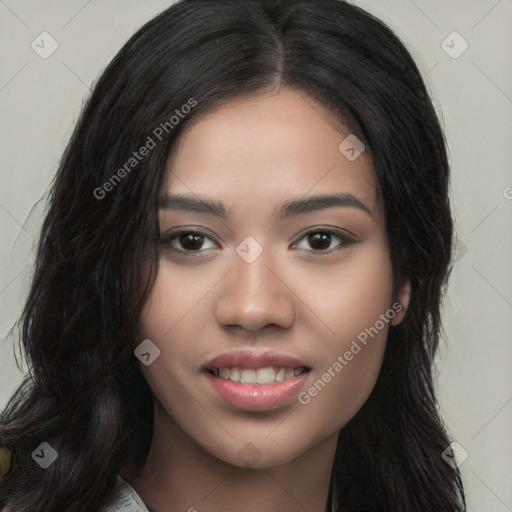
(255,295)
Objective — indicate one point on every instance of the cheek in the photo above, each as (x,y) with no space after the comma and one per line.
(168,321)
(351,295)
(356,311)
(342,384)
(173,318)
(175,296)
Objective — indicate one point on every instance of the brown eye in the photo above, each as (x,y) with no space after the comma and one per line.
(187,242)
(321,241)
(191,241)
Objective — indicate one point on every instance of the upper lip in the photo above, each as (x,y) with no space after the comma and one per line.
(252,359)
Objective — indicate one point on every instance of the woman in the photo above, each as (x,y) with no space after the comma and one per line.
(236,301)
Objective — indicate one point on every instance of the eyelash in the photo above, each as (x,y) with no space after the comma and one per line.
(167,241)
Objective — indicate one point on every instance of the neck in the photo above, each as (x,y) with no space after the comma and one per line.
(179,475)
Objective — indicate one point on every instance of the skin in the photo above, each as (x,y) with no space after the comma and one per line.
(253,153)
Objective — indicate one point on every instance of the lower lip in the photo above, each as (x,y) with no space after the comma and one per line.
(257,397)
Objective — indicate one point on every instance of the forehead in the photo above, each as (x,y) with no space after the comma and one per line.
(265,146)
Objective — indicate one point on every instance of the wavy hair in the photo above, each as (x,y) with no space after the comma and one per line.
(97,257)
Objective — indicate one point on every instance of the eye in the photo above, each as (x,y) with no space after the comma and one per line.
(321,240)
(188,243)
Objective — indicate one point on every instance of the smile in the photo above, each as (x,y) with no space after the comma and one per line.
(256,381)
(267,375)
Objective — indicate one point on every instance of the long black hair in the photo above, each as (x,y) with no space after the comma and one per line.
(98,250)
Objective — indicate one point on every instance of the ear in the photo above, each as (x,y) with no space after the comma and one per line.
(402,302)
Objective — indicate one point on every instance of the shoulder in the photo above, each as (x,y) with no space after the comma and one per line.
(127,500)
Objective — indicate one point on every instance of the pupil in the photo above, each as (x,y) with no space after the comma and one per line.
(191,241)
(320,241)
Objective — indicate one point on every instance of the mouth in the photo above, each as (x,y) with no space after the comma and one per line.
(256,381)
(261,376)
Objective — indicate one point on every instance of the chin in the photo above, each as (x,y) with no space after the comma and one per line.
(260,453)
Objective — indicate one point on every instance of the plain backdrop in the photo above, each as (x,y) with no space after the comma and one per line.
(40,99)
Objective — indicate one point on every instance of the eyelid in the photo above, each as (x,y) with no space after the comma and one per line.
(341,233)
(193,230)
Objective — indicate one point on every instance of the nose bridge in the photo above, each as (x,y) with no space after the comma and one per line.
(253,295)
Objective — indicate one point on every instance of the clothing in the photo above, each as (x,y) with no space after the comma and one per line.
(128,500)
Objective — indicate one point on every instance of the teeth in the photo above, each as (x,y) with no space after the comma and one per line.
(235,375)
(267,375)
(248,377)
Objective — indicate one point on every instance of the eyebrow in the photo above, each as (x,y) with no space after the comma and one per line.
(289,208)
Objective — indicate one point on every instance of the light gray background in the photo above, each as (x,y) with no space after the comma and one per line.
(40,100)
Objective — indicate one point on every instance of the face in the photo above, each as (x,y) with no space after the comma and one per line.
(273,297)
